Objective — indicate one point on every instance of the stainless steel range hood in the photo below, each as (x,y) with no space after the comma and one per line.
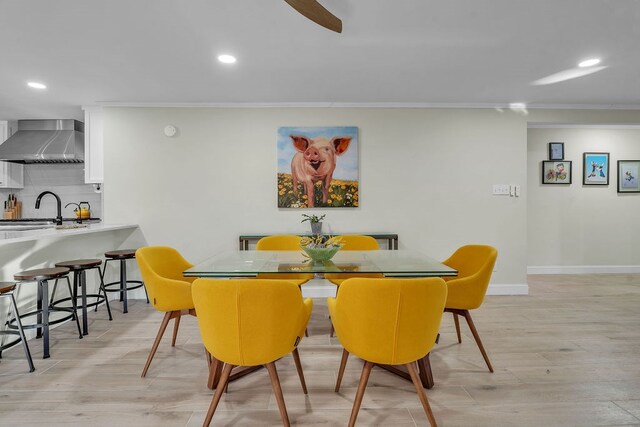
(45,141)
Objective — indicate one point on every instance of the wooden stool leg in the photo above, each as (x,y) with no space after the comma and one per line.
(364,378)
(163,326)
(296,359)
(277,390)
(343,364)
(423,397)
(226,371)
(467,316)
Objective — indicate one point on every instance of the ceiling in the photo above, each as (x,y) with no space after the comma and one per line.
(401,52)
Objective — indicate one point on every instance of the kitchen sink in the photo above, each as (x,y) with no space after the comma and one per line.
(26,227)
(70,226)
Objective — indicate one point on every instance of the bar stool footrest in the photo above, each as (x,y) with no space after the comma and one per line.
(9,344)
(10,323)
(139,284)
(55,304)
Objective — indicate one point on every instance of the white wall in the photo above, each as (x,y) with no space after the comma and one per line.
(582,228)
(424,173)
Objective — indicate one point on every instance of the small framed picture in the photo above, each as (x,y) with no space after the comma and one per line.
(556,172)
(595,169)
(556,151)
(628,176)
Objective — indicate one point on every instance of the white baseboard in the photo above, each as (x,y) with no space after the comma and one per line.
(319,288)
(583,269)
(504,289)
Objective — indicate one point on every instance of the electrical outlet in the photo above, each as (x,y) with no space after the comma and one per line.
(501,189)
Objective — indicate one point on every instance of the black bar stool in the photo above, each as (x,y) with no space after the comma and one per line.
(122,285)
(41,276)
(6,291)
(79,269)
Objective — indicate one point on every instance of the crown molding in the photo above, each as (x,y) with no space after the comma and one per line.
(399,105)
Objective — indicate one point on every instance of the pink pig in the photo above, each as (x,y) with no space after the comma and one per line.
(315,161)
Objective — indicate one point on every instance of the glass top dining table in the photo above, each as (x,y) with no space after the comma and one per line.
(401,263)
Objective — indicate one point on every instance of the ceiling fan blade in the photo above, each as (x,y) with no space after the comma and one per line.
(317,13)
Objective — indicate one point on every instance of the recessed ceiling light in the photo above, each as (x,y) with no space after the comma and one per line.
(36,85)
(227,59)
(589,63)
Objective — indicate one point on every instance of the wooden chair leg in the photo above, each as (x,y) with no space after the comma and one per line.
(366,370)
(426,374)
(467,316)
(296,359)
(343,364)
(167,316)
(214,374)
(209,358)
(226,371)
(176,325)
(457,322)
(421,394)
(332,330)
(277,390)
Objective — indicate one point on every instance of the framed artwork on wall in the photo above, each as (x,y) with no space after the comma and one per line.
(595,169)
(318,167)
(628,176)
(556,151)
(556,172)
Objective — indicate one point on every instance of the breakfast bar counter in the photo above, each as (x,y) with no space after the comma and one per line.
(43,248)
(57,232)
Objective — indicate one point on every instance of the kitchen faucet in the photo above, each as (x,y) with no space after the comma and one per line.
(59,203)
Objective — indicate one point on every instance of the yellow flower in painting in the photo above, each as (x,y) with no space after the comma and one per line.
(280,186)
(343,186)
(355,203)
(281,192)
(304,196)
(330,189)
(333,196)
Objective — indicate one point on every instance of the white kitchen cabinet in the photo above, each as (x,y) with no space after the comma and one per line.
(11,174)
(93,145)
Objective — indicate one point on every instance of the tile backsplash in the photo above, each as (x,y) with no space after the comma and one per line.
(64,179)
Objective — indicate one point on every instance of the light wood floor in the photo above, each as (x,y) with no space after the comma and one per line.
(567,355)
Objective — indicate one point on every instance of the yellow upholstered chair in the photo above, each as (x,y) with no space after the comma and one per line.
(251,322)
(283,242)
(355,242)
(467,290)
(390,322)
(169,291)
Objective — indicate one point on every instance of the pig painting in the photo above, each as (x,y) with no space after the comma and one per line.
(315,161)
(317,167)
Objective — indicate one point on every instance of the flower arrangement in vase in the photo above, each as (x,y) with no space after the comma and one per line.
(320,248)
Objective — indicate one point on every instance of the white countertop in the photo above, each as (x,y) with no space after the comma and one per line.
(29,235)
